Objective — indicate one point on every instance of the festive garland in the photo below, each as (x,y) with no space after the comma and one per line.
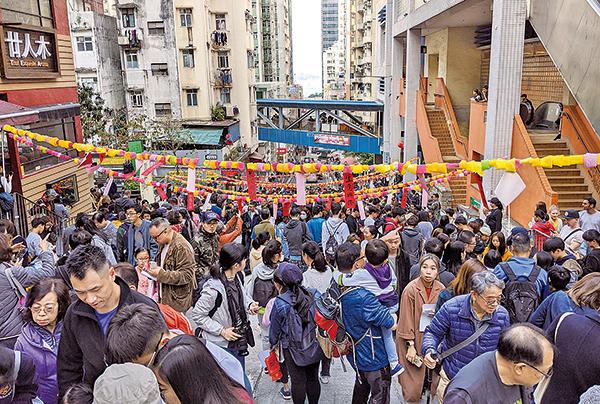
(588,160)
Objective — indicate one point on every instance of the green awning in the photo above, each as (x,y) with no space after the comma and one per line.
(205,136)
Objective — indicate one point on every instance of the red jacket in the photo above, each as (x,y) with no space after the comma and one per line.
(390,224)
(544,227)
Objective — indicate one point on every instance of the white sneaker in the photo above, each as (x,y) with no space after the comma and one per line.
(324,379)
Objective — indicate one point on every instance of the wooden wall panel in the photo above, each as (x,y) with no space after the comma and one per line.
(34,184)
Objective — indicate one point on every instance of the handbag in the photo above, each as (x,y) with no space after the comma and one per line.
(459,346)
(17,288)
(540,390)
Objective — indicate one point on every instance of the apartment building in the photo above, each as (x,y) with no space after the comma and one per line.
(272,47)
(335,17)
(362,55)
(96,54)
(181,59)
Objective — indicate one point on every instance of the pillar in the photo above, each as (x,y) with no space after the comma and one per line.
(413,76)
(397,122)
(506,67)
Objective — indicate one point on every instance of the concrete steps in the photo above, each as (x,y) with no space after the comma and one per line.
(440,130)
(568,182)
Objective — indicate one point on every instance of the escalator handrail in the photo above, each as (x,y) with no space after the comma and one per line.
(595,4)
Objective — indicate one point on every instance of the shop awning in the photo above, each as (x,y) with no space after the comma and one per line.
(12,114)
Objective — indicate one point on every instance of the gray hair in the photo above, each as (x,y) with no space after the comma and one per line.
(160,224)
(481,281)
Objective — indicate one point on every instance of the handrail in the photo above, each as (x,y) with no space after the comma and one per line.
(578,136)
(455,135)
(426,135)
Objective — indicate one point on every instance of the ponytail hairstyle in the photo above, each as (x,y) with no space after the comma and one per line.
(290,277)
(261,239)
(272,248)
(311,248)
(230,254)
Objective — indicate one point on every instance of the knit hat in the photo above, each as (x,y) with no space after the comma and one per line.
(485,230)
(591,396)
(127,383)
(289,273)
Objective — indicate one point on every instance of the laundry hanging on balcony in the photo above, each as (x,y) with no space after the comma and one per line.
(225,77)
(219,38)
(134,36)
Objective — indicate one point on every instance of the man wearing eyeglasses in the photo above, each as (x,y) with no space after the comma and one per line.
(523,359)
(175,266)
(460,318)
(135,234)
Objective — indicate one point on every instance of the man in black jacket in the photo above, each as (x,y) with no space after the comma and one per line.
(101,295)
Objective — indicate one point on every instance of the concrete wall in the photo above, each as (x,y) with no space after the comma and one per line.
(110,73)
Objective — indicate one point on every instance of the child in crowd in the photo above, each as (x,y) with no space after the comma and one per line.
(146,286)
(378,278)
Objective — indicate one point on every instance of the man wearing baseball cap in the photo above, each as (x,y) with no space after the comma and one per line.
(572,233)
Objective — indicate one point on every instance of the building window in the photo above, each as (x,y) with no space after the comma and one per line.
(156,28)
(132,60)
(186,17)
(163,109)
(37,12)
(250,60)
(223,60)
(188,58)
(192,98)
(225,96)
(90,82)
(159,69)
(32,159)
(84,43)
(137,99)
(128,17)
(220,22)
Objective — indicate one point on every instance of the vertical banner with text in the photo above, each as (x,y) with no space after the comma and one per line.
(251,179)
(349,190)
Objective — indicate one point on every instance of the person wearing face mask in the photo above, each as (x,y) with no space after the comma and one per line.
(296,233)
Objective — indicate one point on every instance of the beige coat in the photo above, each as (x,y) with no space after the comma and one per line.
(414,297)
(177,277)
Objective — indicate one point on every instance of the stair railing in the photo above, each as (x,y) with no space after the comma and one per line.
(449,112)
(594,180)
(566,114)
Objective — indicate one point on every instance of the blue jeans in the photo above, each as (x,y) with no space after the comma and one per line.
(389,342)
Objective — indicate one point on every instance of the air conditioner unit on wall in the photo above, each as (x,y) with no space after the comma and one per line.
(123,40)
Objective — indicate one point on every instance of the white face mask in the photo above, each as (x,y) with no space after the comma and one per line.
(302,217)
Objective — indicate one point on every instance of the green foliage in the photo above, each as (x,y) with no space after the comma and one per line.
(316,95)
(93,113)
(363,158)
(217,113)
(131,185)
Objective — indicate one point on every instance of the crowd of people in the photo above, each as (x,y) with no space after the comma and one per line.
(152,302)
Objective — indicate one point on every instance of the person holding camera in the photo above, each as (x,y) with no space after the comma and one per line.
(222,310)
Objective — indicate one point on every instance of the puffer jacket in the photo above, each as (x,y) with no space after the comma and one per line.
(10,317)
(412,244)
(296,233)
(212,326)
(363,313)
(453,324)
(30,341)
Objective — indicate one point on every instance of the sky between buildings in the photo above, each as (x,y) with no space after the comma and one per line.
(306,42)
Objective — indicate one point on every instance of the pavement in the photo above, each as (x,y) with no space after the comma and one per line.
(337,391)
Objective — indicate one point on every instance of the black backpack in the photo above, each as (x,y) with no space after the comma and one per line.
(520,298)
(332,244)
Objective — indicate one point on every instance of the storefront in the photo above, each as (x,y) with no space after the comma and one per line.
(37,75)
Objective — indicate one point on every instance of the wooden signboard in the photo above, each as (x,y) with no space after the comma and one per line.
(29,52)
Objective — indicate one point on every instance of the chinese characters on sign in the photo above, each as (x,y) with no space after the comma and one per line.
(349,190)
(336,140)
(29,52)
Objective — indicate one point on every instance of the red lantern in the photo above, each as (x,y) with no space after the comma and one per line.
(401,145)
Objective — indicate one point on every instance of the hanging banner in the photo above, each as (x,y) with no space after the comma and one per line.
(481,193)
(361,209)
(251,179)
(389,199)
(108,185)
(286,208)
(329,200)
(424,198)
(301,189)
(240,204)
(161,193)
(191,180)
(190,201)
(152,168)
(207,205)
(404,197)
(274,211)
(349,190)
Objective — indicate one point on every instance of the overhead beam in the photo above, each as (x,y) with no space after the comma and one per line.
(297,121)
(350,124)
(267,120)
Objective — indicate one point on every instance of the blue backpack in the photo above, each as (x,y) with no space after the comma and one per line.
(304,347)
